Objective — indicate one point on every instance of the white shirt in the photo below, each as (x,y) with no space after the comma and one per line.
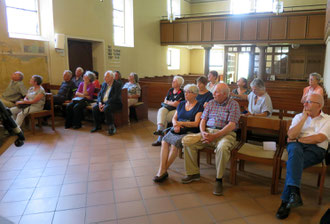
(106,95)
(313,126)
(209,88)
(263,104)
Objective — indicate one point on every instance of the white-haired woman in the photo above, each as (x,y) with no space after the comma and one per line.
(165,114)
(84,94)
(314,86)
(185,120)
(260,103)
(133,89)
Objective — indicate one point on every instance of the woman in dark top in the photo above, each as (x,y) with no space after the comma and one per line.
(242,91)
(165,114)
(204,96)
(186,120)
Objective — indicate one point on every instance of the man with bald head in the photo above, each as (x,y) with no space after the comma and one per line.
(108,102)
(308,139)
(15,90)
(66,90)
(219,120)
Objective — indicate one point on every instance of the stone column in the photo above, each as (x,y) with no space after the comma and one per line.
(262,63)
(207,49)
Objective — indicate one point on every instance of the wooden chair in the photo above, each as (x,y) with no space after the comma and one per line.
(320,168)
(44,113)
(140,109)
(252,152)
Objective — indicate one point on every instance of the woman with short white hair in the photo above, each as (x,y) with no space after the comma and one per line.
(314,86)
(260,103)
(165,114)
(185,120)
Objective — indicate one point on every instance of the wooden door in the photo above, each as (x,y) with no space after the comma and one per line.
(80,55)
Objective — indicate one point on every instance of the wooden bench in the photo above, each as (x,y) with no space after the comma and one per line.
(140,109)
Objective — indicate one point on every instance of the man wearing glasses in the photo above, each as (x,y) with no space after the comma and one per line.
(308,138)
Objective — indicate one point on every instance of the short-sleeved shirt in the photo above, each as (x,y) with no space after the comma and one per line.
(313,126)
(90,89)
(219,115)
(171,96)
(15,91)
(235,91)
(308,90)
(132,88)
(77,81)
(264,104)
(32,93)
(184,115)
(206,97)
(66,90)
(211,89)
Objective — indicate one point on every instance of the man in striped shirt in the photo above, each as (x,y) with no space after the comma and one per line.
(219,120)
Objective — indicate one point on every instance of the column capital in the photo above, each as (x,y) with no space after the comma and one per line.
(207,46)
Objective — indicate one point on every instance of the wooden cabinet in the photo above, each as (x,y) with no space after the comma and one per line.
(194,32)
(180,32)
(207,31)
(263,29)
(249,29)
(233,30)
(297,27)
(278,28)
(219,30)
(315,26)
(166,32)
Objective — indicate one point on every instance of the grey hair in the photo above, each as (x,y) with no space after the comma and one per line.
(258,83)
(179,79)
(81,69)
(136,77)
(317,76)
(20,74)
(37,79)
(320,98)
(192,88)
(68,72)
(90,75)
(109,72)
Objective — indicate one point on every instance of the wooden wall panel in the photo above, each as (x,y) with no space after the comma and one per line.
(263,29)
(315,26)
(219,30)
(249,29)
(233,29)
(166,32)
(180,32)
(297,27)
(278,27)
(207,31)
(194,32)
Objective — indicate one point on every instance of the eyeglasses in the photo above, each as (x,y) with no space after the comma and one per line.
(309,102)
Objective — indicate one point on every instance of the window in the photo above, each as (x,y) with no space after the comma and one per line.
(216,60)
(173,59)
(23,17)
(248,6)
(123,23)
(173,9)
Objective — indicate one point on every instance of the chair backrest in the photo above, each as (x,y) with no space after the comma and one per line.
(49,101)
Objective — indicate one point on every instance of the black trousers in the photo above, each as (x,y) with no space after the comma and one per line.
(58,100)
(108,114)
(74,113)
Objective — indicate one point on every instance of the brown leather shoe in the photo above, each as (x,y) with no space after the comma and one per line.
(156,143)
(218,188)
(190,178)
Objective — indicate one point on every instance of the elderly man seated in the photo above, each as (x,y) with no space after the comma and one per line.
(78,78)
(66,90)
(15,90)
(219,120)
(308,139)
(108,101)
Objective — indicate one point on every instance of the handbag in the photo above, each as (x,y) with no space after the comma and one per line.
(169,107)
(183,131)
(79,99)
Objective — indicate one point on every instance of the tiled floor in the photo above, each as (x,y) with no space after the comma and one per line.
(72,176)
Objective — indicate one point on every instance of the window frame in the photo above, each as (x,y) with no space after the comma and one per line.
(170,56)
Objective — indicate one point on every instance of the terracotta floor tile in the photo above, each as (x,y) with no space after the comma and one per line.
(41,205)
(152,192)
(195,215)
(9,175)
(30,173)
(41,218)
(17,195)
(145,181)
(46,192)
(131,194)
(222,212)
(235,221)
(12,208)
(158,205)
(76,188)
(123,173)
(100,167)
(164,218)
(52,171)
(247,207)
(263,218)
(135,220)
(185,201)
(99,175)
(74,216)
(122,183)
(100,213)
(208,198)
(100,198)
(71,202)
(50,181)
(102,185)
(130,209)
(25,183)
(75,178)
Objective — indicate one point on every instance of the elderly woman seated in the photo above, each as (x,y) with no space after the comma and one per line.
(84,95)
(34,101)
(204,96)
(186,120)
(165,114)
(242,92)
(260,103)
(133,89)
(314,86)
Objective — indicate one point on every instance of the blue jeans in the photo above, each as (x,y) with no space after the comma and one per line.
(300,156)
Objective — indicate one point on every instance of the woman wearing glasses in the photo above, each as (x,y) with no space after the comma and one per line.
(186,120)
(314,86)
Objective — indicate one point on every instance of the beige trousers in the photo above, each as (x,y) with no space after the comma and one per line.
(6,102)
(164,116)
(222,148)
